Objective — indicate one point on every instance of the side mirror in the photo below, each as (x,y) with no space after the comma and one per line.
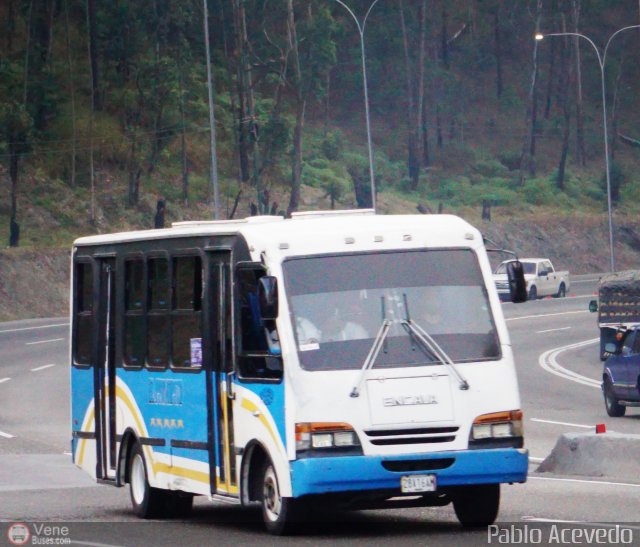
(610,347)
(268,297)
(517,284)
(593,306)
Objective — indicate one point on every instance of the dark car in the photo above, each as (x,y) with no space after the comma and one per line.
(621,373)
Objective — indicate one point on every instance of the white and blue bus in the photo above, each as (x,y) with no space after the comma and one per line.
(337,359)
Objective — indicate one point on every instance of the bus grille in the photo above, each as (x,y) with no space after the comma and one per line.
(425,435)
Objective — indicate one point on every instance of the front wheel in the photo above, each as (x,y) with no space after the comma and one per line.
(614,409)
(477,505)
(281,515)
(533,293)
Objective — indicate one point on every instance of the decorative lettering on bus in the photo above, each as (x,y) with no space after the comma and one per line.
(168,423)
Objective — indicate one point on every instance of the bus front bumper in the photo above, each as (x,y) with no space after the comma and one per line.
(325,475)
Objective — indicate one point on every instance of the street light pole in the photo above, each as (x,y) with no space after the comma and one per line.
(213,175)
(361,29)
(602,58)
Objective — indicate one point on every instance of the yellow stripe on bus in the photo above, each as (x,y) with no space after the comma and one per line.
(253,408)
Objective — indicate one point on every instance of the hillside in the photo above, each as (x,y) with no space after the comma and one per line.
(35,282)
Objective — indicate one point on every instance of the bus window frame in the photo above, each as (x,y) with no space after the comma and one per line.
(158,255)
(192,252)
(83,260)
(138,255)
(237,336)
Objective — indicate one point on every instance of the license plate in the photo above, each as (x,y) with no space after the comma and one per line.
(418,483)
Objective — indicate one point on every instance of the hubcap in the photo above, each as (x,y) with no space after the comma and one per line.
(138,479)
(271,495)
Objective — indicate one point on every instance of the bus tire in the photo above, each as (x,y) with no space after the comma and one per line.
(477,505)
(147,502)
(614,409)
(281,515)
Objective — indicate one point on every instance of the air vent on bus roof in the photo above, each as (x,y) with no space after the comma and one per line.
(344,212)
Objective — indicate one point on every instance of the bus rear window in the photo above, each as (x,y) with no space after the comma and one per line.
(83,313)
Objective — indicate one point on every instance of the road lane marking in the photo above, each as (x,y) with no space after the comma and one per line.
(35,328)
(44,341)
(561,423)
(552,330)
(546,315)
(3,380)
(43,367)
(548,362)
(6,435)
(534,459)
(604,483)
(529,518)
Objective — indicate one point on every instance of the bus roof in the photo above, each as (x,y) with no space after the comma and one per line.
(317,231)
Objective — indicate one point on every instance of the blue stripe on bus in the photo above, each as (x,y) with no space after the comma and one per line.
(360,473)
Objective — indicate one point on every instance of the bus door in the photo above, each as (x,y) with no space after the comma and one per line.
(223,476)
(105,372)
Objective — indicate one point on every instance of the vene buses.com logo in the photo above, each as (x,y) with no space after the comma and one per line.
(19,533)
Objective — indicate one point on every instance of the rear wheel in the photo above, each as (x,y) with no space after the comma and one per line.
(477,505)
(147,502)
(533,293)
(614,409)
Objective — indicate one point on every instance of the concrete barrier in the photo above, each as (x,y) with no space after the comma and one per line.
(612,455)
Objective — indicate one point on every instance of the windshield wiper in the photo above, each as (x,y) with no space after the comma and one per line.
(373,352)
(431,345)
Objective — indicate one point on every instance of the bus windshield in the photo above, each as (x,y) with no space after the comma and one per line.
(338,304)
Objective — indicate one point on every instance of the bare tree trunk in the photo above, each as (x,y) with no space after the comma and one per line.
(498,49)
(413,159)
(93,54)
(296,167)
(72,93)
(551,80)
(528,148)
(444,36)
(566,84)
(245,110)
(183,141)
(93,80)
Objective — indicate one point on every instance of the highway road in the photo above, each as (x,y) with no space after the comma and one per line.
(554,342)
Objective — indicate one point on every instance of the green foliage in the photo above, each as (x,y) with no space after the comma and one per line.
(333,145)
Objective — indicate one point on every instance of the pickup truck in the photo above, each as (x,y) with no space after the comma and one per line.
(541,278)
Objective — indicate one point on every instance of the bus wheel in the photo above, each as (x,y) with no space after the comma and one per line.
(279,514)
(147,502)
(610,402)
(477,506)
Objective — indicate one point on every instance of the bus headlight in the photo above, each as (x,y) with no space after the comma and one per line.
(325,435)
(497,425)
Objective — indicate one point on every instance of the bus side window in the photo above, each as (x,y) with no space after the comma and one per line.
(158,318)
(186,329)
(134,335)
(254,357)
(83,313)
